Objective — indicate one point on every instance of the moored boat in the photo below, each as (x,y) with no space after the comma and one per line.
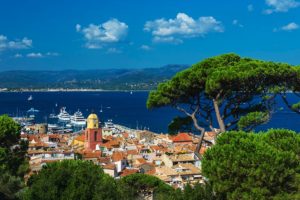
(64,115)
(78,119)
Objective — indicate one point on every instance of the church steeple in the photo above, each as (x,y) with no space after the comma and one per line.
(92,121)
(93,133)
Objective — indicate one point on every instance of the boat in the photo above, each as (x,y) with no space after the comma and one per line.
(109,124)
(53,116)
(64,115)
(101,109)
(32,110)
(131,92)
(30,98)
(78,119)
(53,126)
(69,125)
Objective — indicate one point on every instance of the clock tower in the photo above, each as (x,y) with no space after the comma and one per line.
(93,132)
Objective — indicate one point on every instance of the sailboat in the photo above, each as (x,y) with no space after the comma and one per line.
(101,109)
(30,98)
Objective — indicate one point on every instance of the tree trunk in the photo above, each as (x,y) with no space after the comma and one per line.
(202,132)
(218,115)
(199,128)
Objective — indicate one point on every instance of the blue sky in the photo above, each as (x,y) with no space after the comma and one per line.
(98,34)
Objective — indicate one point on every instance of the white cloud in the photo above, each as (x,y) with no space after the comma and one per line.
(164,39)
(52,54)
(290,27)
(6,44)
(18,55)
(236,22)
(250,7)
(35,55)
(113,50)
(183,26)
(280,5)
(145,47)
(97,36)
(40,55)
(78,27)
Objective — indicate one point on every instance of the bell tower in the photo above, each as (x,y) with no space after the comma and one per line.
(93,132)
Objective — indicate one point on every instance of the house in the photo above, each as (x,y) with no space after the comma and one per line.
(91,156)
(183,138)
(179,174)
(110,169)
(210,138)
(128,171)
(107,132)
(147,168)
(172,160)
(119,159)
(146,136)
(79,140)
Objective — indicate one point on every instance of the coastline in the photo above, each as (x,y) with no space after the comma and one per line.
(68,90)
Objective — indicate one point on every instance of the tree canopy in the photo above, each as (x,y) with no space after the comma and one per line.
(71,179)
(137,186)
(254,165)
(226,92)
(13,161)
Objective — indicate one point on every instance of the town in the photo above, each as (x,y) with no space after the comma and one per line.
(120,151)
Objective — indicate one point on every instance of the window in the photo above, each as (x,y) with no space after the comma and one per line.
(95,136)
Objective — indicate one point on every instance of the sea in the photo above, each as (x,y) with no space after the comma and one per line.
(124,108)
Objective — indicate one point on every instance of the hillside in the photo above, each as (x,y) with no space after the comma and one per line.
(106,79)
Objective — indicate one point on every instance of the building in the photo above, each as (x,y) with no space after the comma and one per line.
(182,138)
(93,133)
(172,160)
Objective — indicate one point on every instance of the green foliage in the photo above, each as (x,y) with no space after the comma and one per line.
(71,179)
(141,185)
(198,191)
(13,162)
(10,186)
(296,106)
(9,132)
(236,85)
(253,166)
(180,124)
(252,119)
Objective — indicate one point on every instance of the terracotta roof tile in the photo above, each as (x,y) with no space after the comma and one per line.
(132,152)
(127,172)
(91,154)
(117,156)
(111,166)
(80,138)
(141,160)
(182,137)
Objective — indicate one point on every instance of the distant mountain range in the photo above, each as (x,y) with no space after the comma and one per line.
(106,79)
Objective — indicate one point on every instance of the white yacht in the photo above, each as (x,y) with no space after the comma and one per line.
(77,119)
(109,124)
(30,98)
(64,115)
(52,126)
(32,110)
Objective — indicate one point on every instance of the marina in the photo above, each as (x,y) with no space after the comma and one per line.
(121,107)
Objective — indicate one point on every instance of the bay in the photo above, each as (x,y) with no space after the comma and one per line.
(123,108)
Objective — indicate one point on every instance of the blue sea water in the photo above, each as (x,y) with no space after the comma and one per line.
(122,107)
